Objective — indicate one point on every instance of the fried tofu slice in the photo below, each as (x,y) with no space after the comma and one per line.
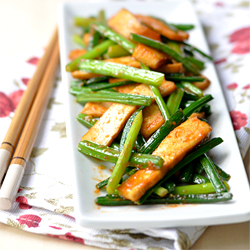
(113,80)
(170,68)
(95,109)
(110,124)
(83,75)
(126,88)
(113,120)
(166,88)
(149,56)
(198,115)
(123,89)
(152,120)
(86,38)
(126,60)
(124,23)
(76,53)
(202,85)
(172,150)
(162,28)
(152,117)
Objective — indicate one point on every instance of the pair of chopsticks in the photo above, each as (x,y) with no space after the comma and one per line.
(22,132)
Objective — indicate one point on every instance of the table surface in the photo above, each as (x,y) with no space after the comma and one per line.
(25,27)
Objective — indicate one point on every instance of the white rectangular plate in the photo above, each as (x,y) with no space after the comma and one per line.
(87,172)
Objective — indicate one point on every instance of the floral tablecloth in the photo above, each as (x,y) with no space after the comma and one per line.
(44,203)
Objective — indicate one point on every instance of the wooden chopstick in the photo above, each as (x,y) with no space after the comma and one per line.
(9,143)
(26,141)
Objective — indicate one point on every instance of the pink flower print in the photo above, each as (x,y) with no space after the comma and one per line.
(247,86)
(232,86)
(33,60)
(220,4)
(54,227)
(25,80)
(241,47)
(220,61)
(69,237)
(23,203)
(10,102)
(6,105)
(239,119)
(241,38)
(240,35)
(30,220)
(67,215)
(16,97)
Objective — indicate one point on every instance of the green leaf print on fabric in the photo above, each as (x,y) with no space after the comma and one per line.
(51,102)
(26,188)
(31,196)
(64,210)
(244,4)
(69,196)
(61,128)
(207,29)
(214,46)
(13,223)
(16,83)
(37,152)
(53,202)
(247,130)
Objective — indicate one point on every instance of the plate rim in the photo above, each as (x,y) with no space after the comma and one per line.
(87,221)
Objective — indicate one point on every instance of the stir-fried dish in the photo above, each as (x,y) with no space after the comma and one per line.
(141,86)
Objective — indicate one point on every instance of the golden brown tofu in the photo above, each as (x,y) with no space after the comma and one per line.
(113,120)
(126,60)
(83,75)
(152,120)
(166,88)
(152,117)
(86,38)
(149,56)
(170,68)
(198,115)
(163,28)
(123,89)
(172,149)
(138,183)
(110,124)
(181,140)
(95,109)
(76,53)
(113,80)
(202,85)
(125,23)
(126,88)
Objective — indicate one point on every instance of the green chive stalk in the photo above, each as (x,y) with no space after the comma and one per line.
(125,154)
